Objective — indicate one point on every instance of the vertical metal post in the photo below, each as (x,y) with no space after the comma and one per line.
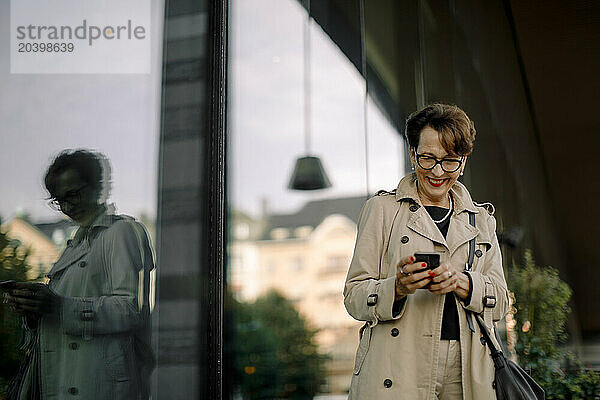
(420,67)
(215,163)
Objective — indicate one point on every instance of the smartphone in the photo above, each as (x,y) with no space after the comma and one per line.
(7,285)
(432,260)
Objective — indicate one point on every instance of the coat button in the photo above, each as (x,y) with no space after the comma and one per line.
(82,264)
(404,239)
(413,208)
(372,299)
(395,332)
(73,346)
(73,391)
(478,253)
(387,383)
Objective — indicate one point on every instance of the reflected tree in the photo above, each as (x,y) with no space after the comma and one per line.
(13,266)
(276,356)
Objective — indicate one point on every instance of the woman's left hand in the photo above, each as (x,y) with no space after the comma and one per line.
(446,279)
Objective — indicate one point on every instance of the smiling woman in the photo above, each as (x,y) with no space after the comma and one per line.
(430,212)
(439,135)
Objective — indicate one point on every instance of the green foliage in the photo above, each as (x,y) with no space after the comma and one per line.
(581,384)
(540,312)
(257,364)
(276,356)
(541,302)
(13,266)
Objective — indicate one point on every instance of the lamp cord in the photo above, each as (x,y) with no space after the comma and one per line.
(363,56)
(307,81)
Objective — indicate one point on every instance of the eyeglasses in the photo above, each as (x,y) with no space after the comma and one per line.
(448,164)
(72,197)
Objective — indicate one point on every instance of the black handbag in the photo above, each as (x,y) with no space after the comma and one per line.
(511,382)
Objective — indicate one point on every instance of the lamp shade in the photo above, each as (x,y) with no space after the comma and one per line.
(309,175)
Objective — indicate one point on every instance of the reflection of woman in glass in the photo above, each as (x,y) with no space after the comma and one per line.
(418,341)
(90,322)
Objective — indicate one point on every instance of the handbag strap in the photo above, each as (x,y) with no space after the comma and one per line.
(482,326)
(471,243)
(468,267)
(497,355)
(486,334)
(480,322)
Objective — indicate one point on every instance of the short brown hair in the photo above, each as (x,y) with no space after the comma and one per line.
(457,131)
(86,163)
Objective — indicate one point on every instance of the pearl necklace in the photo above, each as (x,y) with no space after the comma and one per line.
(447,214)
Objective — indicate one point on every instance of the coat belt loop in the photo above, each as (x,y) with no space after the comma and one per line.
(87,323)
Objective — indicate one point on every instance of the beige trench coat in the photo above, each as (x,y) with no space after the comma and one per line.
(99,346)
(403,349)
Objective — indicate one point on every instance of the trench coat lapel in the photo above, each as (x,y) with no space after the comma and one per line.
(71,255)
(460,232)
(79,246)
(421,223)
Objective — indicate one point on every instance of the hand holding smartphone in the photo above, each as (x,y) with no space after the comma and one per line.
(7,286)
(31,298)
(431,259)
(30,287)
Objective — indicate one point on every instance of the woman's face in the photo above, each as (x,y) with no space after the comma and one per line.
(435,183)
(77,199)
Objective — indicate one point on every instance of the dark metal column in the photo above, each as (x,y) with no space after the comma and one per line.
(191,207)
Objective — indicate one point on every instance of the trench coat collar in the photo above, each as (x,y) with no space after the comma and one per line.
(79,246)
(459,231)
(407,190)
(103,219)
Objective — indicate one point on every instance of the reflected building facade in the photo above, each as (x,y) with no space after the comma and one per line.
(305,257)
(44,242)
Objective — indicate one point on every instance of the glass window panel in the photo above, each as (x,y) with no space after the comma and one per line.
(300,242)
(117,115)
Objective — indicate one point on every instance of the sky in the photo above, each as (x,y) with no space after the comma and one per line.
(118,115)
(42,114)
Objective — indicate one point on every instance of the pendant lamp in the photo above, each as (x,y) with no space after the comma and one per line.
(309,173)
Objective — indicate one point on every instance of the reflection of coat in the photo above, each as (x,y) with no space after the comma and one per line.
(99,347)
(397,355)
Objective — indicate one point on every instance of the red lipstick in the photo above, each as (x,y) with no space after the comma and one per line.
(436,184)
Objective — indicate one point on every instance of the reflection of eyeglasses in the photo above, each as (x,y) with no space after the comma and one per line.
(72,197)
(448,164)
